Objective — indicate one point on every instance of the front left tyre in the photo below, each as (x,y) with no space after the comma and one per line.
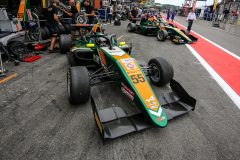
(78,85)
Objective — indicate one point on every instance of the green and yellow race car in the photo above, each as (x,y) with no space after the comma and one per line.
(163,30)
(113,64)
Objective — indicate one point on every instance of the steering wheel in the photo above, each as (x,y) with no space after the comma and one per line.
(102,41)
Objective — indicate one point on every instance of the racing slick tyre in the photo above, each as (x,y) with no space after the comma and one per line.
(78,86)
(47,32)
(67,28)
(61,29)
(131,27)
(117,23)
(161,73)
(162,35)
(65,43)
(33,34)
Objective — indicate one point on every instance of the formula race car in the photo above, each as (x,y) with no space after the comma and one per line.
(114,64)
(163,30)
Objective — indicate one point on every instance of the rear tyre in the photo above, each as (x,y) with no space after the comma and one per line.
(131,27)
(43,33)
(117,23)
(47,33)
(33,34)
(61,29)
(65,43)
(78,85)
(162,35)
(162,71)
(67,28)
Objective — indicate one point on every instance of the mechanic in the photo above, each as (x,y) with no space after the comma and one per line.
(133,14)
(54,23)
(190,18)
(144,15)
(89,11)
(72,12)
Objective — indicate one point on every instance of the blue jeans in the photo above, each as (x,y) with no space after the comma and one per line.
(110,18)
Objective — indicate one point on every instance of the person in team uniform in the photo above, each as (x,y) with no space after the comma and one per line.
(89,11)
(134,14)
(72,12)
(53,23)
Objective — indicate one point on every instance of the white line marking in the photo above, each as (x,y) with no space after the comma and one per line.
(229,91)
(227,51)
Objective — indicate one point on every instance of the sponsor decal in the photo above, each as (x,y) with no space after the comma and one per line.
(130,66)
(127,91)
(139,81)
(160,118)
(102,57)
(151,103)
(98,122)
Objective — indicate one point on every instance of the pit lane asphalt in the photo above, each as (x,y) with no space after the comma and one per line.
(37,122)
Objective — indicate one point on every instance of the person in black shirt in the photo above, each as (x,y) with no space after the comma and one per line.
(72,13)
(89,11)
(133,14)
(225,14)
(53,22)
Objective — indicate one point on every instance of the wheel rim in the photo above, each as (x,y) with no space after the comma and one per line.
(160,35)
(155,76)
(80,19)
(33,34)
(129,28)
(68,83)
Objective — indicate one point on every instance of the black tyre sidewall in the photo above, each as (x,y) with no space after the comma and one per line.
(47,32)
(78,85)
(65,43)
(166,71)
(67,28)
(130,27)
(43,33)
(162,33)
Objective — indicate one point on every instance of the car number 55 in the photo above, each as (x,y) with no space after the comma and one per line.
(137,78)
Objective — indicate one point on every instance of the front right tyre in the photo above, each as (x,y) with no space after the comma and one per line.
(161,71)
(162,35)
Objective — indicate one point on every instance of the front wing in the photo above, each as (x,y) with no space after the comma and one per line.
(114,122)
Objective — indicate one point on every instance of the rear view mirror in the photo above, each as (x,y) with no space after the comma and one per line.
(122,43)
(90,45)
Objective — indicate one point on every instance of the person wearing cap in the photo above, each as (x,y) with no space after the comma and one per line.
(190,18)
(72,12)
(53,22)
(89,11)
